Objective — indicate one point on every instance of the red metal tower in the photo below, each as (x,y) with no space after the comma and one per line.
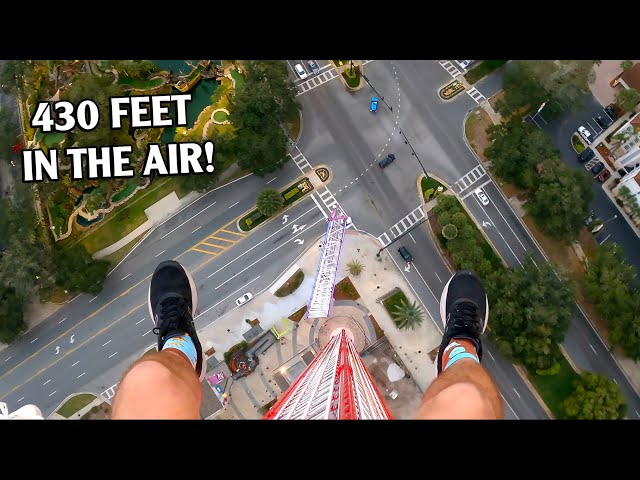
(335,386)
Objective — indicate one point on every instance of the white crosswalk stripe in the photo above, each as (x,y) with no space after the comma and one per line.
(110,392)
(300,160)
(469,178)
(476,95)
(318,80)
(408,221)
(449,68)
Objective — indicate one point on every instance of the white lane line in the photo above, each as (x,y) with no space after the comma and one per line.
(160,253)
(46,382)
(113,354)
(52,392)
(140,321)
(286,227)
(81,374)
(73,365)
(225,298)
(34,339)
(421,277)
(197,229)
(594,350)
(437,276)
(233,205)
(125,277)
(492,357)
(9,358)
(105,344)
(22,398)
(616,381)
(499,232)
(509,225)
(62,320)
(189,219)
(93,299)
(514,389)
(638,414)
(474,190)
(273,179)
(148,332)
(265,256)
(414,240)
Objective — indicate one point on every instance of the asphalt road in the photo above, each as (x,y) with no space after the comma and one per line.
(87,344)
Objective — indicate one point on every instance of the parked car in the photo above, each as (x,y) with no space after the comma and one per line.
(374,105)
(611,112)
(586,155)
(589,220)
(244,299)
(482,196)
(604,122)
(406,256)
(314,67)
(604,175)
(584,133)
(464,63)
(597,168)
(387,160)
(300,71)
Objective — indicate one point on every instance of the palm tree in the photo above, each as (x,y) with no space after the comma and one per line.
(355,267)
(408,315)
(269,202)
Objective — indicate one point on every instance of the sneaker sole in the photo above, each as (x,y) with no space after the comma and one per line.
(194,305)
(443,303)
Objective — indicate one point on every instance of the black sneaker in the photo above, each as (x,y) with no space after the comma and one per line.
(173,300)
(464,309)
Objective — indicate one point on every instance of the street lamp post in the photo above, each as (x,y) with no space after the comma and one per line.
(413,152)
(601,226)
(374,89)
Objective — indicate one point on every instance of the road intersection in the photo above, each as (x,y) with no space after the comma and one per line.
(88,343)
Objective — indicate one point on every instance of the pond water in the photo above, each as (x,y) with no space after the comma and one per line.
(200,94)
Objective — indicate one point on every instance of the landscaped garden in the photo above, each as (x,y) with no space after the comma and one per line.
(345,290)
(289,195)
(393,301)
(431,188)
(220,116)
(578,146)
(483,69)
(139,83)
(451,90)
(352,76)
(291,285)
(75,404)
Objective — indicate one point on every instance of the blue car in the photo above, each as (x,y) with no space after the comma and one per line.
(374,104)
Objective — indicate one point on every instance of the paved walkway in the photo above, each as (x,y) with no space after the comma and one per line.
(379,278)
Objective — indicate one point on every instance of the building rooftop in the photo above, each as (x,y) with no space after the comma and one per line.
(631,77)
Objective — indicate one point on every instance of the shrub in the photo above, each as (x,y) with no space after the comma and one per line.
(428,193)
(294,191)
(552,370)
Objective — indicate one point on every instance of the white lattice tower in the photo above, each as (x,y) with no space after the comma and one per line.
(335,386)
(322,295)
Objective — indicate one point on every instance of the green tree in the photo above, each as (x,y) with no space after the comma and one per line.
(626,64)
(355,267)
(529,83)
(99,89)
(561,202)
(134,68)
(11,75)
(517,149)
(101,194)
(627,98)
(9,132)
(530,312)
(595,397)
(269,201)
(12,323)
(611,285)
(258,112)
(449,231)
(76,271)
(408,315)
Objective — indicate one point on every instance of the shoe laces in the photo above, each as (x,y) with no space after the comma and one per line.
(465,316)
(171,314)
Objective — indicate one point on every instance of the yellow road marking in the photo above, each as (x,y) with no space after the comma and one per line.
(215,254)
(212,245)
(235,233)
(223,239)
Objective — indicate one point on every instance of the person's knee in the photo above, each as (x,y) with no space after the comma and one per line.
(459,401)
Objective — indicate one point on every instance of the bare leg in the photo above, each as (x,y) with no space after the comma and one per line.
(161,385)
(463,391)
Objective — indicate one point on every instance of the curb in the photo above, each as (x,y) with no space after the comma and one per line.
(566,355)
(432,234)
(581,141)
(533,390)
(68,397)
(295,142)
